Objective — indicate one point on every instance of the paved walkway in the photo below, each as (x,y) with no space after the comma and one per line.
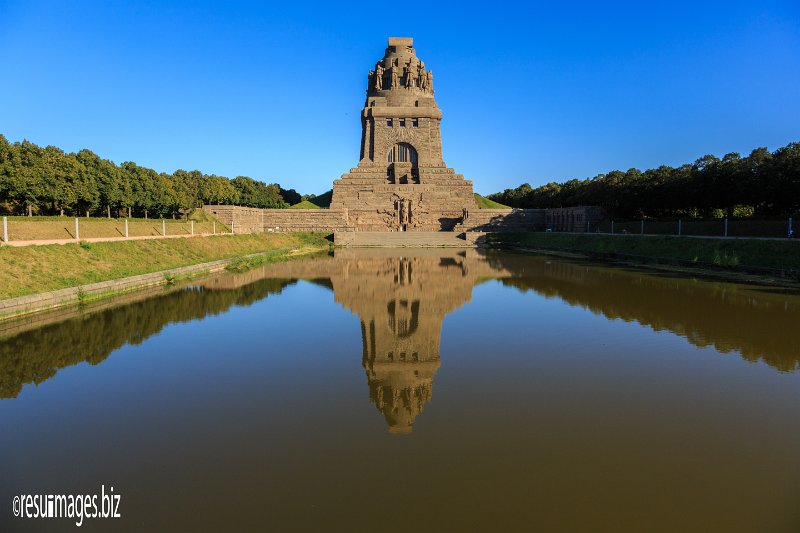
(723,237)
(388,239)
(401,239)
(40,242)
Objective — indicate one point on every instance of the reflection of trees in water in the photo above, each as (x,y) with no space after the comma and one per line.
(36,355)
(402,304)
(731,318)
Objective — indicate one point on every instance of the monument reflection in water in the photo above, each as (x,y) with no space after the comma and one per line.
(400,333)
(402,303)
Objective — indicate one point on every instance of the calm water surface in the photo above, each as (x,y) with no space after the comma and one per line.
(413,391)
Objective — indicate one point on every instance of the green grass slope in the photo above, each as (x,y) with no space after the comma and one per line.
(34,269)
(729,253)
(484,203)
(323,200)
(305,204)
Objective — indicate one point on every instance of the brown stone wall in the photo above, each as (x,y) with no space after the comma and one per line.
(574,219)
(239,219)
(486,220)
(424,136)
(250,219)
(433,207)
(371,217)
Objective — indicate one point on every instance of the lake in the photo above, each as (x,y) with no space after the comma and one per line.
(412,390)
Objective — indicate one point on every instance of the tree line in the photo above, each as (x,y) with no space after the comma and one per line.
(49,181)
(38,354)
(763,183)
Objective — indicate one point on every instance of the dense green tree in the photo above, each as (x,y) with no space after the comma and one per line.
(188,186)
(258,194)
(218,190)
(106,177)
(28,179)
(291,196)
(50,181)
(6,155)
(762,183)
(785,169)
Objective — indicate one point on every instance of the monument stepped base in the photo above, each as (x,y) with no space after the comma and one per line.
(401,239)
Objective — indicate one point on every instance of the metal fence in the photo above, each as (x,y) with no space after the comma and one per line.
(64,229)
(703,227)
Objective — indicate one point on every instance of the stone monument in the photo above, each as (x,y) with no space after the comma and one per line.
(401,182)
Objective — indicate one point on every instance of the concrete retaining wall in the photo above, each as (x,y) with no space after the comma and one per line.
(48,300)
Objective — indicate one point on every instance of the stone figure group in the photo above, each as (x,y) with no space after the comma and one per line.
(409,76)
(403,210)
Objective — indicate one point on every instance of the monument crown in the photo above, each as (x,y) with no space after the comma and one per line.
(398,42)
(400,71)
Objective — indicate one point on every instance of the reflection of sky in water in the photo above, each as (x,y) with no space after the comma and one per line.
(262,414)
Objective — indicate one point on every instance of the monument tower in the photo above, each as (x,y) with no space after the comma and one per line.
(401,182)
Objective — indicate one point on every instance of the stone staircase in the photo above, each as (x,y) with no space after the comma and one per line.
(405,239)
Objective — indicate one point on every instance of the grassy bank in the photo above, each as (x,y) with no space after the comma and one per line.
(305,204)
(484,203)
(36,269)
(732,254)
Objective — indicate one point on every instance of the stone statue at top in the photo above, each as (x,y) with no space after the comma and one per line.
(409,78)
(403,70)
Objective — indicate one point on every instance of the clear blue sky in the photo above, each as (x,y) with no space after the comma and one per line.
(529,92)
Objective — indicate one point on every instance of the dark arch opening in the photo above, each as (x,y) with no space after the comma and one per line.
(403,153)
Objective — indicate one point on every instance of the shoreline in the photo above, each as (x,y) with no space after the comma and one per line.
(28,304)
(23,306)
(736,273)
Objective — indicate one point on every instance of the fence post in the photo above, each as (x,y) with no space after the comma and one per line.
(232,228)
(612,227)
(163,228)
(192,221)
(790,227)
(679,227)
(214,227)
(126,228)
(641,232)
(5,230)
(77,235)
(726,226)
